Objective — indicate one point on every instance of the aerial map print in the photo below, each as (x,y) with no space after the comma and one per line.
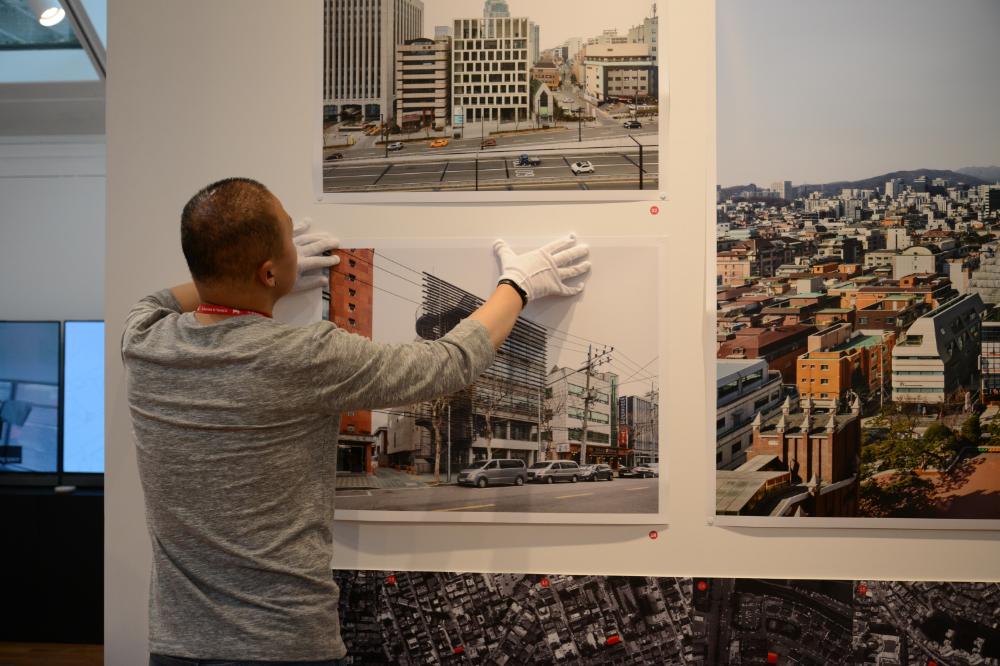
(398,617)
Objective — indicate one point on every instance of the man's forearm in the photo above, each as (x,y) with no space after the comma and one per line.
(187,296)
(499,313)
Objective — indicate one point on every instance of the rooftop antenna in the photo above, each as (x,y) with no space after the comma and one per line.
(654,9)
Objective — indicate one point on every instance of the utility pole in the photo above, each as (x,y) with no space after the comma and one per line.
(540,405)
(586,410)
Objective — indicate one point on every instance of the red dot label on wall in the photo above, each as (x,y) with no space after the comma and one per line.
(653,534)
(654,210)
(544,582)
(862,589)
(702,586)
(391,580)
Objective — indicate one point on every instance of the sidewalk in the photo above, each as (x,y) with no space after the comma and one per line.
(385,478)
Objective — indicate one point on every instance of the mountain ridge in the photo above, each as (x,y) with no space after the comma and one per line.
(878,182)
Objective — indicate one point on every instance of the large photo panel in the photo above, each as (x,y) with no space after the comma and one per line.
(857,276)
(423,617)
(563,427)
(491,100)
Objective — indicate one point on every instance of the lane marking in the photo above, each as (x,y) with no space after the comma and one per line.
(632,490)
(467,508)
(577,495)
(388,166)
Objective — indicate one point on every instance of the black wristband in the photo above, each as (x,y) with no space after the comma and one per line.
(516,287)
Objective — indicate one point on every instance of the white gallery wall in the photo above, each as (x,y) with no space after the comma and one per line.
(52,192)
(199,91)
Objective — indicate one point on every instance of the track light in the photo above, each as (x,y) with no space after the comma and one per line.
(49,12)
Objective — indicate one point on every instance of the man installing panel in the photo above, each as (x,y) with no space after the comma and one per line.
(236,418)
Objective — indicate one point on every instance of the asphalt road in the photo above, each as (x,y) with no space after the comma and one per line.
(618,496)
(621,166)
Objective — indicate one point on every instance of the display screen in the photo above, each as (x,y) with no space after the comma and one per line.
(83,414)
(29,396)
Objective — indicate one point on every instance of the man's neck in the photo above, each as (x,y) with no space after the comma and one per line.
(238,300)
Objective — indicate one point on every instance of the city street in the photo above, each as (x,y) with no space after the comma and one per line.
(613,165)
(618,496)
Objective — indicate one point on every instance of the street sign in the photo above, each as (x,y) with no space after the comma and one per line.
(458,119)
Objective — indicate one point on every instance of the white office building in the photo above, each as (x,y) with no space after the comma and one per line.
(744,388)
(564,401)
(490,69)
(359,50)
(619,70)
(939,353)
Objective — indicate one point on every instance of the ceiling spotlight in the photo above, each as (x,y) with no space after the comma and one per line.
(49,12)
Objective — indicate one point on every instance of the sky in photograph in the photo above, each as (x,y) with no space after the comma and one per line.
(558,20)
(474,269)
(816,91)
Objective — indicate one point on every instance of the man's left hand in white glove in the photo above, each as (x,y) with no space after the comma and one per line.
(314,265)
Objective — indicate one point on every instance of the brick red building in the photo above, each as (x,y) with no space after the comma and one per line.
(351,295)
(780,346)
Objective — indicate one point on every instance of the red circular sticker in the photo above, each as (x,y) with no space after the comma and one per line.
(702,586)
(391,580)
(545,582)
(654,210)
(862,589)
(653,534)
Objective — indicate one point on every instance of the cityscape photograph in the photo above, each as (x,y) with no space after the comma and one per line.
(858,261)
(417,617)
(565,421)
(490,95)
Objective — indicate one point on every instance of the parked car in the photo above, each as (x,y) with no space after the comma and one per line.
(488,143)
(439,143)
(527,161)
(335,156)
(550,471)
(581,167)
(632,124)
(396,145)
(625,472)
(645,471)
(596,472)
(496,471)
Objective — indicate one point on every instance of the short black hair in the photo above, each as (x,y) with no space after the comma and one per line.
(228,229)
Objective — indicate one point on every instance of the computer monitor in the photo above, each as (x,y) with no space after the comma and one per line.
(83,397)
(29,396)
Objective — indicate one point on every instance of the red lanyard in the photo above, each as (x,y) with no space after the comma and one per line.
(211,308)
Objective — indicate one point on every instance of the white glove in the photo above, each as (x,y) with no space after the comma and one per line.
(314,266)
(543,272)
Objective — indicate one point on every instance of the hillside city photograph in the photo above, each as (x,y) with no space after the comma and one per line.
(565,421)
(473,95)
(418,617)
(858,261)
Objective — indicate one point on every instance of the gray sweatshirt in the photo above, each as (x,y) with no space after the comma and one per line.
(235,425)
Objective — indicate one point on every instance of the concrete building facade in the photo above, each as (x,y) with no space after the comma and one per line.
(490,69)
(423,91)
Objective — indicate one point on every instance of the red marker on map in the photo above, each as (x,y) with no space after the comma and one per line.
(654,210)
(391,580)
(653,534)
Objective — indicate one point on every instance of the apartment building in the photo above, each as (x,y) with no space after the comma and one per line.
(939,353)
(744,388)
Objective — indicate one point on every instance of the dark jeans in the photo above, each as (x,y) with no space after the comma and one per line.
(165,660)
